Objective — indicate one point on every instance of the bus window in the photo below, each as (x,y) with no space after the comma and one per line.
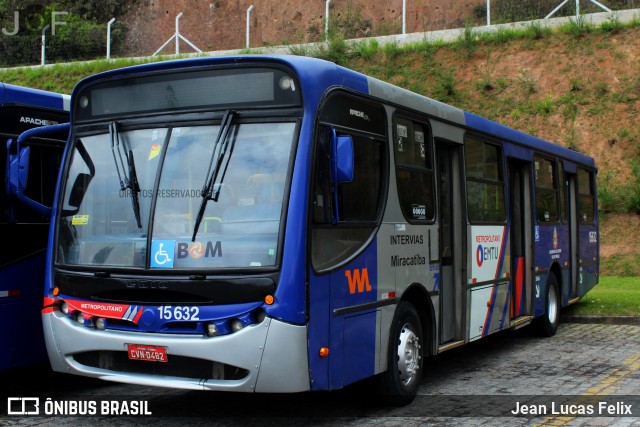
(414,173)
(358,201)
(485,181)
(586,196)
(546,190)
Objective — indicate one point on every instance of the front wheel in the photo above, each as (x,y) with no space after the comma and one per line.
(399,384)
(547,325)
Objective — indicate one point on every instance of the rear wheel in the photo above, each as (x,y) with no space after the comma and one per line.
(399,384)
(547,324)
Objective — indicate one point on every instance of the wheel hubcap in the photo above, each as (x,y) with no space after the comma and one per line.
(553,307)
(408,355)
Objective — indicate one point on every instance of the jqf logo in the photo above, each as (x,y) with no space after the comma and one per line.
(23,406)
(35,21)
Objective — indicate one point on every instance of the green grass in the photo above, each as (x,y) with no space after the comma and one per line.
(63,77)
(613,296)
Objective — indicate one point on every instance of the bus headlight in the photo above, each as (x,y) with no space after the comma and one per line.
(100,324)
(236,325)
(64,307)
(80,317)
(211,329)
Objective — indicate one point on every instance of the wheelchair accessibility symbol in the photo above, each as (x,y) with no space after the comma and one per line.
(162,253)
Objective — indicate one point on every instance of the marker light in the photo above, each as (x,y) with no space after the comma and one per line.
(211,329)
(100,325)
(55,291)
(236,325)
(286,83)
(269,299)
(324,352)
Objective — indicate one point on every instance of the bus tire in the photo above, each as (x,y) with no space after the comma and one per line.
(547,324)
(399,384)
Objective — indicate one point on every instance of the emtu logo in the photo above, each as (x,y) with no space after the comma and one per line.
(358,280)
(480,255)
(489,253)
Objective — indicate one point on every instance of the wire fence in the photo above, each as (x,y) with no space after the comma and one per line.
(253,24)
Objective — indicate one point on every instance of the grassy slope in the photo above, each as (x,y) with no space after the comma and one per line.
(578,87)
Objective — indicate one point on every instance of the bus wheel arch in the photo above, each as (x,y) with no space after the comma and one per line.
(418,296)
(409,343)
(547,324)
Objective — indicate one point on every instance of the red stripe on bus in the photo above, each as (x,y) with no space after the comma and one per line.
(48,305)
(519,285)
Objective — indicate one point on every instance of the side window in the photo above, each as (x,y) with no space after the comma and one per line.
(485,181)
(358,202)
(414,172)
(586,196)
(546,190)
(5,212)
(359,199)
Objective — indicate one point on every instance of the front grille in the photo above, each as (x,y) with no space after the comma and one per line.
(176,366)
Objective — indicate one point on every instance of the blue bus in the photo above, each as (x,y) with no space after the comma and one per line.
(24,233)
(284,224)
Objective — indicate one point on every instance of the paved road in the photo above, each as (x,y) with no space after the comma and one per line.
(585,367)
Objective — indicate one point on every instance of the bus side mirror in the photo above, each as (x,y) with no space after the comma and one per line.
(342,158)
(17,170)
(341,167)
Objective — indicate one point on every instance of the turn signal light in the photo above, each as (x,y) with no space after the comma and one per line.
(269,299)
(324,352)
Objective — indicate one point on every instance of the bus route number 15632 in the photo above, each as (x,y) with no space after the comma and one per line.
(168,312)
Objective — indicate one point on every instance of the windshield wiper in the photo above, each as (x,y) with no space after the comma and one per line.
(219,162)
(128,179)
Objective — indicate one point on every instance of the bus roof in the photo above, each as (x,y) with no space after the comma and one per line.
(20,95)
(506,133)
(318,74)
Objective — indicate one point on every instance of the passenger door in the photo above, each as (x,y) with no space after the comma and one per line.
(520,214)
(450,237)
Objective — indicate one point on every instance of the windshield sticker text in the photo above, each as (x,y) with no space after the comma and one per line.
(197,250)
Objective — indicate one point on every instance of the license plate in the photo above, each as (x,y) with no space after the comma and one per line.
(149,353)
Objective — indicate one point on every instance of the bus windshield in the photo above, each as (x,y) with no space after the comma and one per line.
(239,227)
